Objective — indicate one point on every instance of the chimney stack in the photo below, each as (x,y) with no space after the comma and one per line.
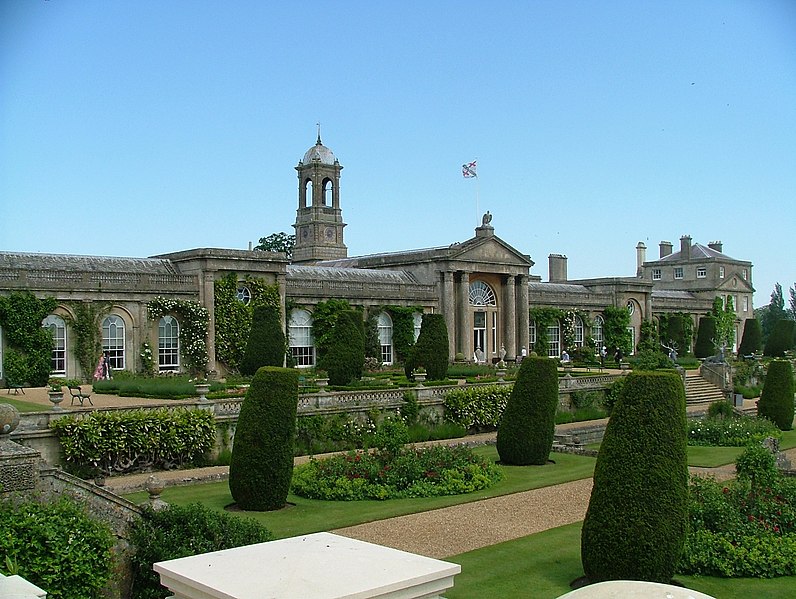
(685,247)
(666,248)
(641,257)
(716,245)
(558,268)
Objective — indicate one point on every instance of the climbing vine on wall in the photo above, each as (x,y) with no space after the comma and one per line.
(543,318)
(193,318)
(87,333)
(233,318)
(29,355)
(616,322)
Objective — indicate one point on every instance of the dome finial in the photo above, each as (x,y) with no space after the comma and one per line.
(318,143)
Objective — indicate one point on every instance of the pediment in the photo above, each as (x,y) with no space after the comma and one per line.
(491,250)
(735,284)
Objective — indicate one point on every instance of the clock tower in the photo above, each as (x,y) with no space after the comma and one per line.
(319,222)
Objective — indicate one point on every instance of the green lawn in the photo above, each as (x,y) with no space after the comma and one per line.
(309,515)
(543,565)
(21,404)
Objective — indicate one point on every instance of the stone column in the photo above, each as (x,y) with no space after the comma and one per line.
(281,281)
(463,332)
(510,320)
(523,318)
(449,306)
(208,299)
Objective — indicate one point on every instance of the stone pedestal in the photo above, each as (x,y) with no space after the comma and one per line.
(321,566)
(16,587)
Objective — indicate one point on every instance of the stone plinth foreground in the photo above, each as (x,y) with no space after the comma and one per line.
(321,566)
(16,587)
(633,589)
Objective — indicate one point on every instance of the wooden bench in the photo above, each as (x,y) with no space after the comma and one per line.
(16,388)
(77,394)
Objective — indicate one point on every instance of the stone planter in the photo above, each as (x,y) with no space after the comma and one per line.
(322,384)
(202,389)
(420,377)
(56,397)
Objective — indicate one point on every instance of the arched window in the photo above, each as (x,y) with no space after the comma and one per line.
(578,331)
(597,331)
(58,331)
(554,341)
(328,189)
(385,337)
(481,294)
(302,345)
(307,192)
(168,344)
(417,318)
(113,341)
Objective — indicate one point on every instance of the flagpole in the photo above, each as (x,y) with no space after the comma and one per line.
(477,196)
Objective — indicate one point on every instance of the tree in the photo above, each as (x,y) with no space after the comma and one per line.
(724,314)
(772,313)
(706,336)
(648,339)
(792,303)
(266,345)
(673,333)
(345,357)
(776,399)
(262,453)
(527,428)
(751,339)
(780,339)
(277,242)
(635,525)
(615,329)
(431,349)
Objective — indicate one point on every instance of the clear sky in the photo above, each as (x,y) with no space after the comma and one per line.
(143,127)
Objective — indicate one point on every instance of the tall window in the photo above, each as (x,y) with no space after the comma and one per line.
(745,274)
(168,344)
(597,331)
(578,331)
(554,341)
(632,332)
(656,274)
(302,345)
(385,337)
(678,272)
(113,341)
(745,303)
(532,332)
(721,272)
(58,330)
(417,319)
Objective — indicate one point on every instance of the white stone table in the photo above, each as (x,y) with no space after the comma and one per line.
(318,566)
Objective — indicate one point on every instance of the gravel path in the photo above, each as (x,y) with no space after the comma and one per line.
(456,529)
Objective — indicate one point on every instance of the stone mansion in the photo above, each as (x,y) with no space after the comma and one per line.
(483,286)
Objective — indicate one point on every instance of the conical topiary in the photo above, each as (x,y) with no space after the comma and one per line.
(776,399)
(266,345)
(262,453)
(635,526)
(431,349)
(345,357)
(706,334)
(751,341)
(527,428)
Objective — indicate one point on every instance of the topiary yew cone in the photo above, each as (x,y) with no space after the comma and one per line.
(776,399)
(526,431)
(262,454)
(635,525)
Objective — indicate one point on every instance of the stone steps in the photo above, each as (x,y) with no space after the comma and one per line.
(698,390)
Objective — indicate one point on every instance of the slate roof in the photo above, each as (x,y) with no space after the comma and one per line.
(672,294)
(68,262)
(557,288)
(698,252)
(330,273)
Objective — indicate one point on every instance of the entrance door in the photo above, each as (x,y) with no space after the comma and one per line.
(479,336)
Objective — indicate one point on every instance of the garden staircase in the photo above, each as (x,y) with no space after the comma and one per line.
(700,391)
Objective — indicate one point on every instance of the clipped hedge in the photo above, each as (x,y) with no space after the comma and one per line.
(780,339)
(345,358)
(262,454)
(135,439)
(776,399)
(267,345)
(526,431)
(477,408)
(635,525)
(431,349)
(752,338)
(182,531)
(706,333)
(56,546)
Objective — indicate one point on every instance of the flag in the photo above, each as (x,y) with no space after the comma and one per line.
(468,170)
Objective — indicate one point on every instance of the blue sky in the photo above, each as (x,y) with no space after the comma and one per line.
(138,128)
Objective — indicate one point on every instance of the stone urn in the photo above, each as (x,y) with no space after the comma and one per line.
(56,397)
(420,377)
(154,487)
(202,390)
(322,384)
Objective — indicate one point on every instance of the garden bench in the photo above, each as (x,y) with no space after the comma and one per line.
(77,394)
(15,387)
